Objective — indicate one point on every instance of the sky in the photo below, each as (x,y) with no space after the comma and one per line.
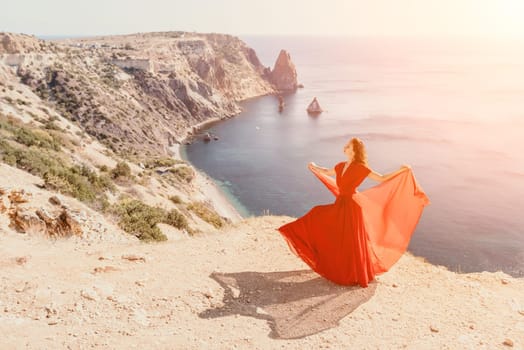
(413,18)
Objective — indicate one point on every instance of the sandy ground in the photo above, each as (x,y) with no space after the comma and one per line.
(239,288)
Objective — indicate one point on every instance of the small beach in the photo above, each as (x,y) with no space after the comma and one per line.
(207,186)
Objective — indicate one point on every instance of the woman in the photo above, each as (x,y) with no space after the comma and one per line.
(361,234)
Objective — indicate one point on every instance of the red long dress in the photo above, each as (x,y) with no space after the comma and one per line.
(361,234)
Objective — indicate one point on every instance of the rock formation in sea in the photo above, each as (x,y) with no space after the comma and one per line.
(284,74)
(314,107)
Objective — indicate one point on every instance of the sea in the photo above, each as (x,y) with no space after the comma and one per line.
(451,108)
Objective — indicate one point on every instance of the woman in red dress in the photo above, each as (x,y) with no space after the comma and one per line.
(361,234)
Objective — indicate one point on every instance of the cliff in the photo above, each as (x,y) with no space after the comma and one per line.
(99,119)
(86,129)
(137,94)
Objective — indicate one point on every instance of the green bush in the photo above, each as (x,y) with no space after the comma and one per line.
(9,159)
(121,170)
(207,214)
(36,138)
(140,219)
(183,173)
(176,219)
(77,181)
(162,162)
(51,125)
(60,184)
(27,136)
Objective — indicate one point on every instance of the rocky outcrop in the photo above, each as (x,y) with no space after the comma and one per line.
(27,222)
(314,107)
(284,74)
(18,43)
(38,221)
(129,63)
(140,98)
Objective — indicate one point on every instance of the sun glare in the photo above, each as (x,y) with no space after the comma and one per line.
(504,18)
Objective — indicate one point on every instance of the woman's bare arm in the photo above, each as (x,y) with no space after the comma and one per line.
(325,171)
(373,175)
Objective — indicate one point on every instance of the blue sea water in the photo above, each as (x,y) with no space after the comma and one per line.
(452,109)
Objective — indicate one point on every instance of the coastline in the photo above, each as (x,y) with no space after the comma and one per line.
(203,182)
(191,131)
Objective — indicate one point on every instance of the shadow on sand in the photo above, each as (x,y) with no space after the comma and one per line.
(295,303)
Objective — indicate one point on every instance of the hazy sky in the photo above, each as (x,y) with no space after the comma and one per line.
(285,17)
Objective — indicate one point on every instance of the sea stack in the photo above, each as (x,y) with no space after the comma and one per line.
(314,107)
(284,74)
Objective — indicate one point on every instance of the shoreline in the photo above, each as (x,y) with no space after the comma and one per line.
(203,182)
(191,131)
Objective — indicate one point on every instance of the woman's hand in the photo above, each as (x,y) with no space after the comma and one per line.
(312,165)
(405,167)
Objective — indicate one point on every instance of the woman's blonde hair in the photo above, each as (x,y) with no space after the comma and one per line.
(359,151)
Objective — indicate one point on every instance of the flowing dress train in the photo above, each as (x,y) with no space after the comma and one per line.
(361,234)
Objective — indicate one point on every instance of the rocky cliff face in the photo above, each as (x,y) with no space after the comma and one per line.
(284,74)
(137,93)
(95,119)
(19,43)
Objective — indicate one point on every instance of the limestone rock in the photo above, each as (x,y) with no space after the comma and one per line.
(54,200)
(40,222)
(102,269)
(17,43)
(89,294)
(27,222)
(67,225)
(61,226)
(18,197)
(314,107)
(133,257)
(284,74)
(21,260)
(3,208)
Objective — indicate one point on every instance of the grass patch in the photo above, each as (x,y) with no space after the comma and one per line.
(140,219)
(176,219)
(162,162)
(121,171)
(202,210)
(183,173)
(36,152)
(28,136)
